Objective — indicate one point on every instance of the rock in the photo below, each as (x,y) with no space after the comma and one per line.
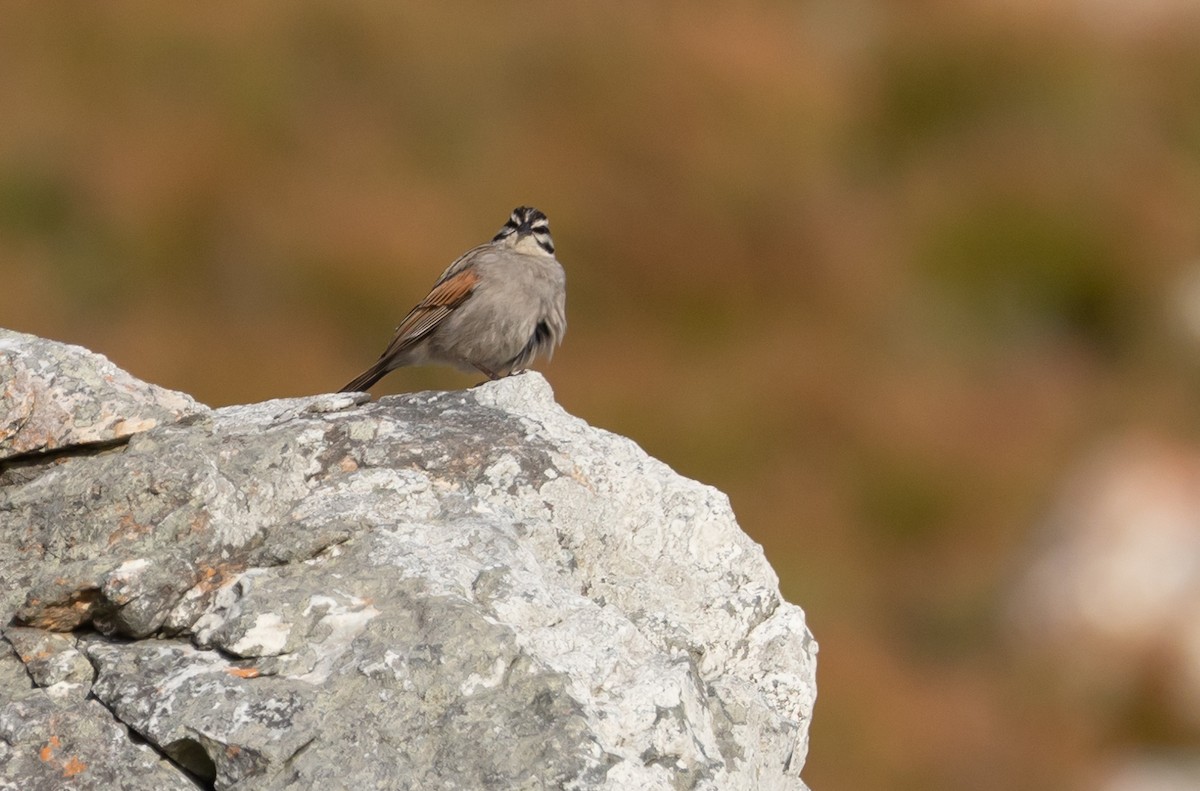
(441,590)
(53,742)
(51,659)
(54,396)
(1160,770)
(1109,601)
(1113,586)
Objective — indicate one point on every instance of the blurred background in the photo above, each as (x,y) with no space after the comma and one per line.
(916,283)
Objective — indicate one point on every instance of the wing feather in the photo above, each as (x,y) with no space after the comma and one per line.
(450,292)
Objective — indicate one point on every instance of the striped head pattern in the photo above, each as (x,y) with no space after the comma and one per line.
(527,221)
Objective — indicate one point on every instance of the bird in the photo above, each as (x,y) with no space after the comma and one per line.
(493,310)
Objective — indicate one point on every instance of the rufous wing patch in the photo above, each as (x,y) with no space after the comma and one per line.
(441,302)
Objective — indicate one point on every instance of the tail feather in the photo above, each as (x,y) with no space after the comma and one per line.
(367,378)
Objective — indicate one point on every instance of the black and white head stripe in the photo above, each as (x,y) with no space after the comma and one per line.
(528,220)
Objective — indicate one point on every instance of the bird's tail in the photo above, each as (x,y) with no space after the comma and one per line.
(367,378)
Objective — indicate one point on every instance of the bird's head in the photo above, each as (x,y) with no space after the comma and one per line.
(528,231)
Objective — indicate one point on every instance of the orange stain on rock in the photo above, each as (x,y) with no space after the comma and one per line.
(243,672)
(73,766)
(47,752)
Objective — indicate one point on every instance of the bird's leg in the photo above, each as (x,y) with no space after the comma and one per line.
(490,374)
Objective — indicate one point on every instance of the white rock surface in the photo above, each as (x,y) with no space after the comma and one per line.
(442,590)
(53,396)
